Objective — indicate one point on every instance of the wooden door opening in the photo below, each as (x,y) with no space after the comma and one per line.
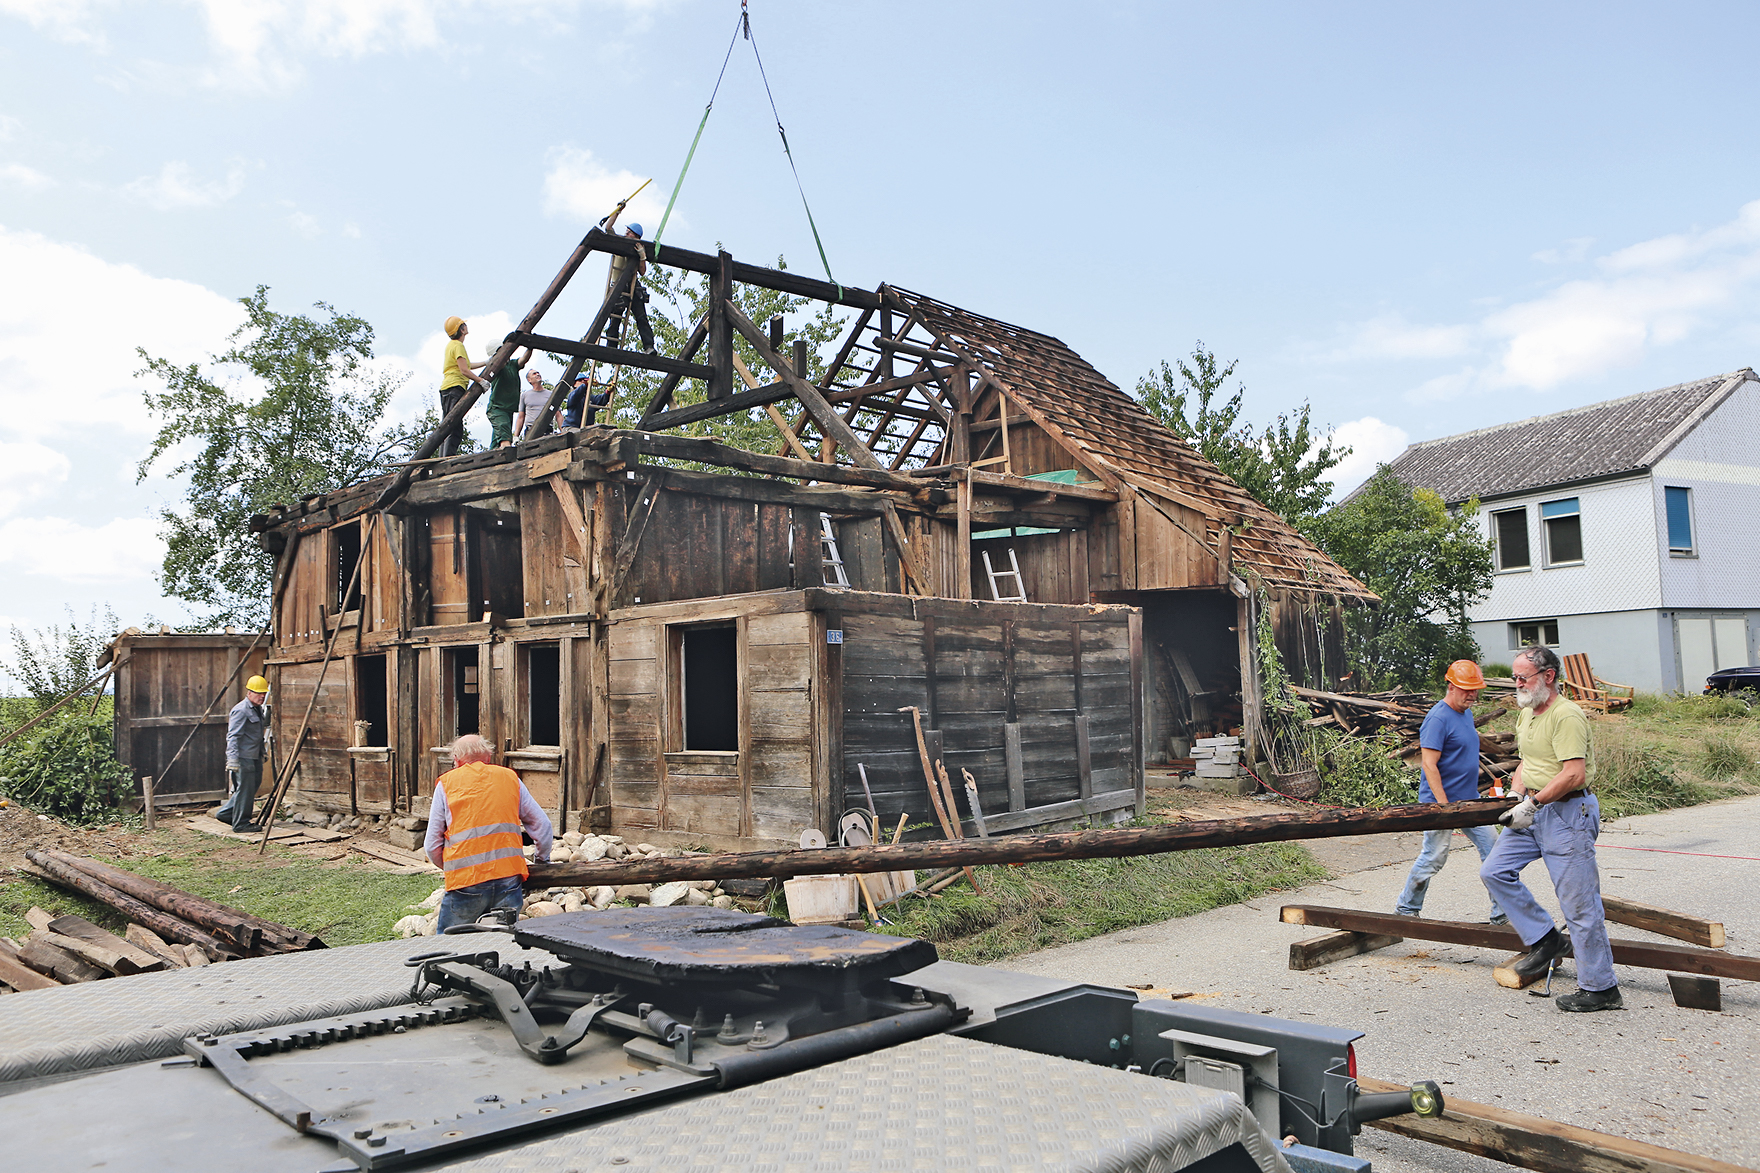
(542,686)
(463,694)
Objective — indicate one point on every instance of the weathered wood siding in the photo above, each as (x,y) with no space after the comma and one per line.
(983,677)
(163,686)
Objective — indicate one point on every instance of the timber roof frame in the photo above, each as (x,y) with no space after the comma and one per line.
(921,393)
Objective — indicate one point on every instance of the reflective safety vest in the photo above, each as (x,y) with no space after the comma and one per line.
(482,836)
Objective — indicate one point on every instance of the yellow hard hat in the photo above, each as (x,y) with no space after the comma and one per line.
(256,684)
(452,325)
(1465,674)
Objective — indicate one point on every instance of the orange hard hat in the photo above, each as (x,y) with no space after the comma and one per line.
(1465,674)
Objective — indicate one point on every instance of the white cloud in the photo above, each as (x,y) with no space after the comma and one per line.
(74,21)
(1574,249)
(9,126)
(1650,294)
(29,469)
(175,187)
(28,178)
(119,551)
(306,225)
(580,187)
(1371,442)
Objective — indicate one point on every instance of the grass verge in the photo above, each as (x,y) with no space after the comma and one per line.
(345,903)
(1046,904)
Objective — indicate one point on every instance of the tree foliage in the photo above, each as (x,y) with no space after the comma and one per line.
(51,662)
(1283,465)
(1428,565)
(66,767)
(290,408)
(678,302)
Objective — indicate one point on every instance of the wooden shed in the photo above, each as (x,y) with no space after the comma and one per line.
(164,684)
(690,642)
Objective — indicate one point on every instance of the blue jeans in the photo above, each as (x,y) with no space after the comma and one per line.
(1563,835)
(237,809)
(1430,861)
(462,906)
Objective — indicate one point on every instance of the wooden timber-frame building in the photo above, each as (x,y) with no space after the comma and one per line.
(717,657)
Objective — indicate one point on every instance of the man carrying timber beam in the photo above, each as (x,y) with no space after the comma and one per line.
(1449,745)
(1558,820)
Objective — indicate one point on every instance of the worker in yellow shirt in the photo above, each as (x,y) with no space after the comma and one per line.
(457,372)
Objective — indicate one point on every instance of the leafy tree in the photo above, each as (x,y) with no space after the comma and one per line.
(290,408)
(1284,465)
(53,661)
(1428,565)
(678,302)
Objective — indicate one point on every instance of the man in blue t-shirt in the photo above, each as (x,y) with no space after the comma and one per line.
(1449,745)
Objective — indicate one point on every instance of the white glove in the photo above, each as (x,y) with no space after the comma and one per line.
(1520,816)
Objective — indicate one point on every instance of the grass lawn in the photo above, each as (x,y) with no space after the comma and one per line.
(345,902)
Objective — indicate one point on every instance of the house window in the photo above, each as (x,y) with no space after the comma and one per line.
(371,706)
(1679,505)
(708,687)
(462,692)
(542,685)
(1535,631)
(1510,528)
(1564,531)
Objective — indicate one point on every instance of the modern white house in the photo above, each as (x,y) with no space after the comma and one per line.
(1628,530)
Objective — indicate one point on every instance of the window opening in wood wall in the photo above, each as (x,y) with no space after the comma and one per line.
(348,552)
(708,667)
(371,697)
(463,692)
(542,685)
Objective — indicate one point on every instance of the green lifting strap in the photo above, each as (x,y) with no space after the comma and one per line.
(790,156)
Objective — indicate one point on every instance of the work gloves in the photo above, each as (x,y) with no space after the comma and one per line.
(1520,816)
(231,777)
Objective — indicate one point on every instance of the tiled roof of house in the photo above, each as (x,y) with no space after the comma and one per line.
(1585,443)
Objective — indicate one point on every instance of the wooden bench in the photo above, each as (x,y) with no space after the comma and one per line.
(1590,691)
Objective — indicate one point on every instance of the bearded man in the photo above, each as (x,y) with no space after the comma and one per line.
(1558,820)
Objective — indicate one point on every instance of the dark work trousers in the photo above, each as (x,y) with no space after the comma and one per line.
(237,810)
(451,439)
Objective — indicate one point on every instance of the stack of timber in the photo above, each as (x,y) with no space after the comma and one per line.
(168,929)
(1401,714)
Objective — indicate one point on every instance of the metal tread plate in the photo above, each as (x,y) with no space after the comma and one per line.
(937,1103)
(720,945)
(102,1024)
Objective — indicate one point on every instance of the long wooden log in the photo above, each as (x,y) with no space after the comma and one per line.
(1112,844)
(166,925)
(1640,954)
(219,918)
(1531,1142)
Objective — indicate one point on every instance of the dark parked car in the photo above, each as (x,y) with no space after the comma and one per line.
(1734,680)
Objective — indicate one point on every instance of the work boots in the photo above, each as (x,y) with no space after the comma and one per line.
(1584,1001)
(1531,966)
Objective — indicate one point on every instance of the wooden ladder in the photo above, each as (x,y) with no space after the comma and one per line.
(833,574)
(1019,594)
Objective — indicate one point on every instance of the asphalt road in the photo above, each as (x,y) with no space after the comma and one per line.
(1678,1078)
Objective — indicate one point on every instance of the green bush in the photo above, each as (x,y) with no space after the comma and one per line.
(1707,706)
(1639,780)
(1503,671)
(66,766)
(1364,771)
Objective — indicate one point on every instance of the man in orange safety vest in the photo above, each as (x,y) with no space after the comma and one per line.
(474,829)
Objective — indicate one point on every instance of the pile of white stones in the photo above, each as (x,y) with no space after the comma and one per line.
(574,845)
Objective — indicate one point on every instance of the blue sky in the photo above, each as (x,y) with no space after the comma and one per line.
(1420,219)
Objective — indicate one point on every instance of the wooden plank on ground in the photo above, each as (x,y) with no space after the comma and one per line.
(1534,1143)
(212,826)
(385,853)
(155,944)
(22,977)
(1318,951)
(81,929)
(1696,993)
(1642,954)
(1679,925)
(59,964)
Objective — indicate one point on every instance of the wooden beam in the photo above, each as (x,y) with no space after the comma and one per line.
(1318,951)
(535,427)
(705,450)
(663,394)
(1107,844)
(632,534)
(709,484)
(831,425)
(1532,1142)
(1642,954)
(789,439)
(907,558)
(777,279)
(712,408)
(1678,925)
(1017,484)
(720,331)
(614,354)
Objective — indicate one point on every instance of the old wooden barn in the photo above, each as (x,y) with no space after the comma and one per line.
(961,517)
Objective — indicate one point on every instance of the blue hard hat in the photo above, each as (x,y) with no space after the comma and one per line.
(636,228)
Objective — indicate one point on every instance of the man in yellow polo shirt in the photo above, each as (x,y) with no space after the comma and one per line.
(457,372)
(1558,820)
(474,835)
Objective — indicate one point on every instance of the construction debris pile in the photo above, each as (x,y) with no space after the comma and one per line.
(168,929)
(1402,714)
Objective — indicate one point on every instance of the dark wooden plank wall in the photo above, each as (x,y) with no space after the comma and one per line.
(697,546)
(1309,632)
(325,771)
(554,571)
(634,712)
(163,689)
(1054,567)
(972,672)
(776,717)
